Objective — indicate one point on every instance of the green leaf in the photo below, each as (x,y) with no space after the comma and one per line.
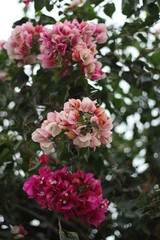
(3,100)
(56,76)
(39,4)
(4,156)
(20,22)
(68,235)
(153,9)
(127,10)
(44,19)
(86,12)
(60,148)
(49,6)
(109,9)
(155,59)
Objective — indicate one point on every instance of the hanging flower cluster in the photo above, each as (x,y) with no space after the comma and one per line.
(22,44)
(73,194)
(82,121)
(66,44)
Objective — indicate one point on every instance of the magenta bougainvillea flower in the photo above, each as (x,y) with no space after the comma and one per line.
(85,123)
(44,159)
(73,194)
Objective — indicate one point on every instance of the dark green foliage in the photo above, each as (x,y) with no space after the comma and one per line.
(130,92)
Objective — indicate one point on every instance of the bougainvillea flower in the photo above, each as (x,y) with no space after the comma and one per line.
(77,193)
(83,122)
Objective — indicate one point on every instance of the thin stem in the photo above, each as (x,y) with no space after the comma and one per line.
(60,228)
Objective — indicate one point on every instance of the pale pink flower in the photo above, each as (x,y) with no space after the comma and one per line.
(3,76)
(2,42)
(98,73)
(40,135)
(20,43)
(94,142)
(53,128)
(75,3)
(73,116)
(46,146)
(101,33)
(51,116)
(82,141)
(71,134)
(71,105)
(31,59)
(88,105)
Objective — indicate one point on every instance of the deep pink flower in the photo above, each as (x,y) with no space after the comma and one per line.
(44,159)
(61,48)
(22,230)
(69,193)
(26,2)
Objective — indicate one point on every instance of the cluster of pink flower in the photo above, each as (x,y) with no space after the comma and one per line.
(62,45)
(77,42)
(22,44)
(73,194)
(82,121)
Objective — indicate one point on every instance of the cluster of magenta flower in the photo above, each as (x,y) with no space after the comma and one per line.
(64,45)
(73,194)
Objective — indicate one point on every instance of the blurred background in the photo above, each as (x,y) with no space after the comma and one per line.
(129,168)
